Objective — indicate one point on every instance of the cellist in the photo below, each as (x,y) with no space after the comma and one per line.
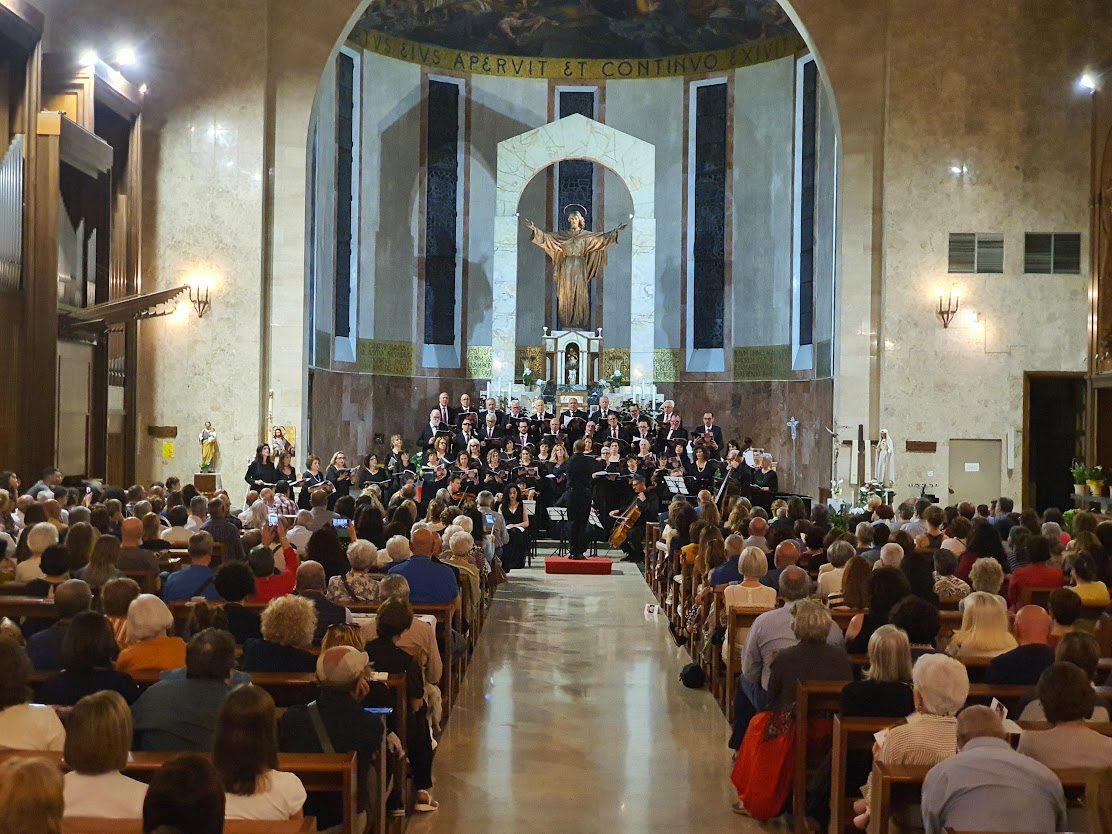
(649,507)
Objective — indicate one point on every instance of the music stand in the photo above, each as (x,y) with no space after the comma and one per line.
(559,516)
(593,520)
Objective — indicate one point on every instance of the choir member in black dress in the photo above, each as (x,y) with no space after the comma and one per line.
(702,469)
(517,523)
(494,476)
(469,472)
(261,471)
(765,484)
(372,473)
(339,476)
(313,478)
(286,470)
(528,476)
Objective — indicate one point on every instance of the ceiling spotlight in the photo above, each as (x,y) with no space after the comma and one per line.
(955,169)
(1087,81)
(88,58)
(125,56)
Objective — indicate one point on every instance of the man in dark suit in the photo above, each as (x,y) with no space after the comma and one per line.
(579,470)
(599,415)
(444,406)
(669,435)
(641,432)
(490,430)
(523,434)
(540,415)
(664,418)
(611,429)
(709,426)
(463,410)
(466,433)
(492,408)
(509,422)
(430,431)
(573,412)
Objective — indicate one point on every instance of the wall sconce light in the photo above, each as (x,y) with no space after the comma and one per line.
(200,292)
(948,302)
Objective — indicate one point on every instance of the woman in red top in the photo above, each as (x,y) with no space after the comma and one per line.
(1037,573)
(984,542)
(268,583)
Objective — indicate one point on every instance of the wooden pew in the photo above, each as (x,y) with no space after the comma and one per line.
(849,734)
(815,699)
(92,825)
(905,782)
(318,772)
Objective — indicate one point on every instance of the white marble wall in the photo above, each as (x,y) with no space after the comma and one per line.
(519,160)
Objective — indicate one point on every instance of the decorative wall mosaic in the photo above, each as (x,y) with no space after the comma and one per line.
(667,364)
(477,363)
(385,358)
(763,362)
(612,356)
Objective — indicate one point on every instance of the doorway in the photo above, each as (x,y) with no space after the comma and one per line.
(1054,437)
(974,470)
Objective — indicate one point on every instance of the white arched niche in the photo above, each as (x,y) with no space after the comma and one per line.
(520,158)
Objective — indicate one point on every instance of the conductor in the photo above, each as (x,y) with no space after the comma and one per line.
(577,498)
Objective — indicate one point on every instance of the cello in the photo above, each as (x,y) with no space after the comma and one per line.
(626,522)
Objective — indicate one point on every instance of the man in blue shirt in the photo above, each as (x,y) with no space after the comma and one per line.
(197,580)
(430,582)
(729,572)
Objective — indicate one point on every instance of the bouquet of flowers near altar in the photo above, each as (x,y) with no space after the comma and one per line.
(869,488)
(527,377)
(836,487)
(616,378)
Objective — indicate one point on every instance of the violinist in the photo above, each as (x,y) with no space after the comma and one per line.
(649,507)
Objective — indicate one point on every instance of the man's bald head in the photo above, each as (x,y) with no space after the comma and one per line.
(424,543)
(787,553)
(131,532)
(1032,625)
(979,722)
(757,526)
(310,576)
(794,583)
(734,545)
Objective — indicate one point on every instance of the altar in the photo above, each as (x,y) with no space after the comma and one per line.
(572,357)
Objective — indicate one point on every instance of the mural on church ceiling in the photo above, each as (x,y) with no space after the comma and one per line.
(581,28)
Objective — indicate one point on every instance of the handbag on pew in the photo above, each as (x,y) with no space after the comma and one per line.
(496,576)
(762,771)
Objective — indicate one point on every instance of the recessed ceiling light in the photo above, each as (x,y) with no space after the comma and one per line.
(125,56)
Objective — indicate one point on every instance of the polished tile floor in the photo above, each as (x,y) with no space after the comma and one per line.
(572,719)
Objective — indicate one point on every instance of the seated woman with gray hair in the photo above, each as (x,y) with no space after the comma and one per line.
(150,648)
(986,576)
(357,585)
(940,688)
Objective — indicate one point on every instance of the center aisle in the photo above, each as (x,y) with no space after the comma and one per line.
(572,718)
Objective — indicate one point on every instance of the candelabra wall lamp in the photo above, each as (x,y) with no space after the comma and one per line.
(948,303)
(200,292)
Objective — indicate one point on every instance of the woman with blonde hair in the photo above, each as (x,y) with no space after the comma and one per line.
(97,745)
(150,647)
(31,800)
(432,515)
(288,626)
(102,562)
(984,629)
(986,575)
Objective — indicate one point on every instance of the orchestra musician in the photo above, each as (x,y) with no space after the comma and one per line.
(455,488)
(578,470)
(647,503)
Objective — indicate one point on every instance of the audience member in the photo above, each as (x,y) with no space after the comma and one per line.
(357,585)
(984,629)
(855,585)
(1023,665)
(815,656)
(419,640)
(786,555)
(245,752)
(31,799)
(223,531)
(988,786)
(919,620)
(177,534)
(235,583)
(115,598)
(1068,701)
(1065,609)
(948,586)
(1086,582)
(87,661)
(430,583)
(44,648)
(758,528)
(1037,573)
(23,725)
(1083,651)
(751,592)
(179,713)
(919,570)
(54,566)
(98,741)
(336,721)
(830,582)
(149,646)
(730,571)
(133,556)
(311,585)
(197,579)
(288,626)
(886,586)
(185,796)
(103,563)
(37,539)
(986,576)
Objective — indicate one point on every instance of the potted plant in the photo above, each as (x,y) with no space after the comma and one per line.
(1095,480)
(1080,473)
